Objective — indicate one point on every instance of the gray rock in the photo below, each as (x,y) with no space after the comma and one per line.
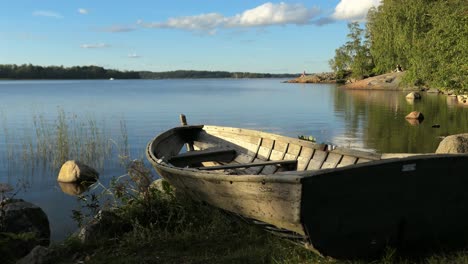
(39,255)
(24,226)
(454,144)
(413,95)
(74,171)
(415,115)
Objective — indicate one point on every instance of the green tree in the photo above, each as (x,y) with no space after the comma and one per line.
(354,56)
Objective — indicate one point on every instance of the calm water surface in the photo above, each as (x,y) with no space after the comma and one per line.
(358,119)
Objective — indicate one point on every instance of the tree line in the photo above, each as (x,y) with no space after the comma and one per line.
(428,38)
(28,71)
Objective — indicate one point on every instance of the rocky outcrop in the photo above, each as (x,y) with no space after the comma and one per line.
(389,81)
(454,144)
(74,171)
(26,223)
(325,77)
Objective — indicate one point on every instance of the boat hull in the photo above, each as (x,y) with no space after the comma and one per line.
(344,209)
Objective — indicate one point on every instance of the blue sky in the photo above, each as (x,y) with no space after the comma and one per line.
(247,36)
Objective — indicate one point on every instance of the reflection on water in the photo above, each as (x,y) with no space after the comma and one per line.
(74,189)
(381,117)
(131,112)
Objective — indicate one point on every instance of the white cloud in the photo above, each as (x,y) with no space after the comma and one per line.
(134,56)
(273,14)
(95,46)
(268,14)
(353,9)
(83,11)
(46,13)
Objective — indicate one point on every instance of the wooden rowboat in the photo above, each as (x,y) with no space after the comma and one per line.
(340,202)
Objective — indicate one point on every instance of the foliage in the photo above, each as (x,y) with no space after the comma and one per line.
(308,138)
(427,37)
(354,56)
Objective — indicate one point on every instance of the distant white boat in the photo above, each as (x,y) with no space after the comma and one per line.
(111,79)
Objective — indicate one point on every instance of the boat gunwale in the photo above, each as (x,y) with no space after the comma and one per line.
(280,177)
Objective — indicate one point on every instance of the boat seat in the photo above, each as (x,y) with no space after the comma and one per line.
(197,156)
(289,164)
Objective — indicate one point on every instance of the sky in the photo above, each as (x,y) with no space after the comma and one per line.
(153,35)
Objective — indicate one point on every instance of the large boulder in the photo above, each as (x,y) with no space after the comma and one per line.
(454,144)
(39,255)
(74,171)
(24,225)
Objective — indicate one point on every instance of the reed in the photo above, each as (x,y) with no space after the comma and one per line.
(51,142)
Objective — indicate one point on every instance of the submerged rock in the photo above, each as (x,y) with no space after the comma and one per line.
(74,171)
(415,115)
(454,144)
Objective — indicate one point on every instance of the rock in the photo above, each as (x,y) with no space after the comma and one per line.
(415,115)
(433,90)
(39,255)
(413,95)
(74,171)
(106,223)
(462,98)
(19,217)
(454,144)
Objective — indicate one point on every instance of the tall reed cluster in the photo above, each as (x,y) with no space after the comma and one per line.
(51,142)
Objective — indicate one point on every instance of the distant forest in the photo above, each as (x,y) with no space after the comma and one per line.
(29,71)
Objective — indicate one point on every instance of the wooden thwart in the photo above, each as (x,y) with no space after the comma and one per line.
(291,164)
(193,157)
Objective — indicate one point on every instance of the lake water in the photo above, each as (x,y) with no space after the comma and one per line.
(358,119)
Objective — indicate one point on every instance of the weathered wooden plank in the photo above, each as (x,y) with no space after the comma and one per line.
(265,150)
(332,161)
(172,146)
(347,160)
(357,153)
(292,152)
(290,163)
(275,203)
(294,149)
(303,159)
(193,157)
(275,137)
(317,160)
(362,160)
